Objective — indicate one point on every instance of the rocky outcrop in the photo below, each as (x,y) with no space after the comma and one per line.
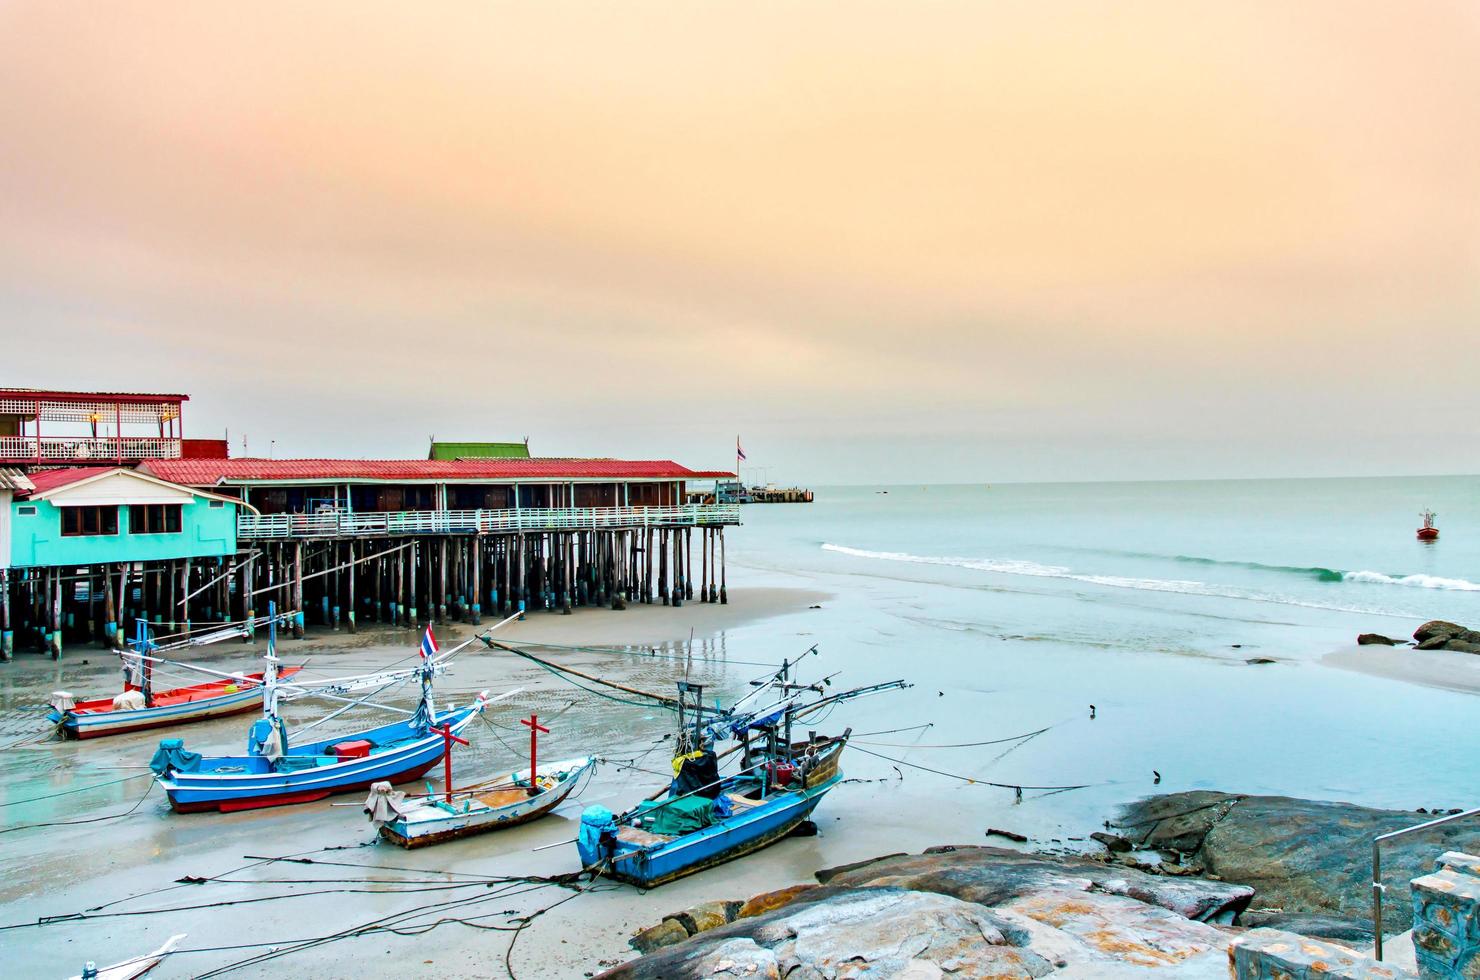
(1375,639)
(1300,856)
(1440,634)
(963,911)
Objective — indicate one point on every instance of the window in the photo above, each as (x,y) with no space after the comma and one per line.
(218,503)
(154,519)
(78,521)
(25,511)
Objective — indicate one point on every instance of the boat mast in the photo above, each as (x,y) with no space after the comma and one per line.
(269,672)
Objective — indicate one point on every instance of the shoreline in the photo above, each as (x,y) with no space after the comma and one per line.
(1445,670)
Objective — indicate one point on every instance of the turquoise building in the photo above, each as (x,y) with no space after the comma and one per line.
(108,515)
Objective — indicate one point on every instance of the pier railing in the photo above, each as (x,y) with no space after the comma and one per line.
(81,449)
(343,524)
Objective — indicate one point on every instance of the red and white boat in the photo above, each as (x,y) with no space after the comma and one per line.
(96,717)
(1428,532)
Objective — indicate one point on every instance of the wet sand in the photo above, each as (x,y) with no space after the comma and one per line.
(58,870)
(1443,669)
(1201,721)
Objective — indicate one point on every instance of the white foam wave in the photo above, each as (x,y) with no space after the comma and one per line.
(1412,581)
(1034,569)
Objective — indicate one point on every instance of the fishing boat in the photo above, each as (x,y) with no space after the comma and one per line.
(1428,532)
(702,819)
(493,804)
(140,706)
(96,717)
(686,832)
(131,968)
(273,773)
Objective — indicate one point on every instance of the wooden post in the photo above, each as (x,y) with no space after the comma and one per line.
(724,597)
(441,582)
(477,609)
(688,552)
(110,607)
(7,635)
(297,590)
(184,596)
(56,613)
(350,616)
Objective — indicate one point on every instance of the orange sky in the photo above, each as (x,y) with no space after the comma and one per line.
(889,241)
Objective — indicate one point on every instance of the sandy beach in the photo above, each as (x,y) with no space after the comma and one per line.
(1443,669)
(60,870)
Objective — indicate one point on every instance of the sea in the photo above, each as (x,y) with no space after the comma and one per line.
(1167,635)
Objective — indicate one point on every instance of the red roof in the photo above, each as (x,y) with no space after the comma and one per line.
(211,472)
(46,481)
(45,394)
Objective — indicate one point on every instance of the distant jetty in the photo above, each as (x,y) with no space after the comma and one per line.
(735,492)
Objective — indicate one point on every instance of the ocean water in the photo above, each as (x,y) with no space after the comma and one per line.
(1015,607)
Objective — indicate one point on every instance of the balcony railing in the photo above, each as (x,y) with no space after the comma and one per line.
(86,449)
(341,524)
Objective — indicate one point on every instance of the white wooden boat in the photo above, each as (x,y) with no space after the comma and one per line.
(504,801)
(129,969)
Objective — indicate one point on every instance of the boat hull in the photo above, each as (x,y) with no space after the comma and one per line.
(742,833)
(228,791)
(429,824)
(83,722)
(1428,533)
(720,843)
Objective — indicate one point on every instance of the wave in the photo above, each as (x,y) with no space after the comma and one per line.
(1037,570)
(1413,581)
(1319,573)
(1177,586)
(1309,571)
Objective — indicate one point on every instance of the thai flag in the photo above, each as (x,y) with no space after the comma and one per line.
(428,645)
(739,453)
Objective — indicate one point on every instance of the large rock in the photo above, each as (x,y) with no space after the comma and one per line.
(993,875)
(1301,856)
(966,912)
(1373,639)
(1437,627)
(883,932)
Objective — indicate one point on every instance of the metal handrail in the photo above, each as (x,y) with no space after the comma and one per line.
(1377,887)
(344,523)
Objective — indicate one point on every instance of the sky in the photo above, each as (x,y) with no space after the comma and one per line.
(882,242)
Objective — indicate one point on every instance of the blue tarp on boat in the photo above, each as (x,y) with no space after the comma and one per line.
(172,756)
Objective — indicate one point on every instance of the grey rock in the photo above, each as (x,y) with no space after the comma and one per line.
(1433,643)
(1370,639)
(1351,932)
(1437,627)
(1113,842)
(1462,646)
(992,876)
(710,915)
(1302,856)
(883,932)
(666,933)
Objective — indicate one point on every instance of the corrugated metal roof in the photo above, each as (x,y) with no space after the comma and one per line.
(54,395)
(13,479)
(45,481)
(479,450)
(210,472)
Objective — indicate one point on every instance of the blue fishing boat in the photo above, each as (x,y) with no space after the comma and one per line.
(273,773)
(688,830)
(394,753)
